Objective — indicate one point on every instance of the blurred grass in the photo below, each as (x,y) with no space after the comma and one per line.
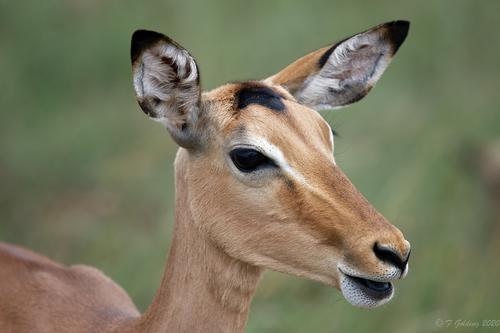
(86,178)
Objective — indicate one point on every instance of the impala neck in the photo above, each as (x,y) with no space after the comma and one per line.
(203,289)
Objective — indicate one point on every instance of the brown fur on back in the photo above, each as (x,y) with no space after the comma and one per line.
(44,296)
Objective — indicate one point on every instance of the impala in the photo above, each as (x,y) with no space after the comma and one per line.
(256,187)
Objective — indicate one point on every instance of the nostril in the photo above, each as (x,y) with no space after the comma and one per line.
(390,256)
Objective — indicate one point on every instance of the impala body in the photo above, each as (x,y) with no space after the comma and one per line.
(257,187)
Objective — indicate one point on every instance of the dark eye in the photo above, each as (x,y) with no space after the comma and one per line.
(248,160)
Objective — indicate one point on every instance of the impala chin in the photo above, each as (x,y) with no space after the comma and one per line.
(365,291)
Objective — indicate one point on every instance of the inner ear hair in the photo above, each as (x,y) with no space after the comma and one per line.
(343,73)
(166,83)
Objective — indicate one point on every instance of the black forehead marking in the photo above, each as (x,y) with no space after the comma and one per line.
(261,95)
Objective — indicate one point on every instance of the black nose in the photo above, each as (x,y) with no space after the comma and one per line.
(390,256)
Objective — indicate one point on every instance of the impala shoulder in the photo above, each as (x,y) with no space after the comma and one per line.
(17,254)
(102,286)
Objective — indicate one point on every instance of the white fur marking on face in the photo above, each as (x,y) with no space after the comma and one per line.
(356,295)
(405,272)
(384,275)
(277,156)
(331,141)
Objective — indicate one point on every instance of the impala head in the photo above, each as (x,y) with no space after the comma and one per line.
(262,181)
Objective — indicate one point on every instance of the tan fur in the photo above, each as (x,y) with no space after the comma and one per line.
(294,74)
(304,220)
(39,295)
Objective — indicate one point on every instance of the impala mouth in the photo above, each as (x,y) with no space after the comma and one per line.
(364,292)
(379,288)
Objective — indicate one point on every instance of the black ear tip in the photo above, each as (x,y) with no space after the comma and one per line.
(397,32)
(400,23)
(142,39)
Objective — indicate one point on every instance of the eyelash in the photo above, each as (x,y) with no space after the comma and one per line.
(248,160)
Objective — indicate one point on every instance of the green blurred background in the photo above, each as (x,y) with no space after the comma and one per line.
(86,178)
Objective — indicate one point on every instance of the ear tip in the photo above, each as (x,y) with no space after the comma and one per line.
(397,32)
(142,39)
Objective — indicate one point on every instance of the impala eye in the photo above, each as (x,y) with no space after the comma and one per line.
(249,160)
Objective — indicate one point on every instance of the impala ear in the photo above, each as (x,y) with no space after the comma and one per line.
(344,73)
(166,83)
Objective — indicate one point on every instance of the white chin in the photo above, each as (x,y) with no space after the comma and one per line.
(359,295)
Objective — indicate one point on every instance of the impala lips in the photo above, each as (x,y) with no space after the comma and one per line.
(382,288)
(363,292)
